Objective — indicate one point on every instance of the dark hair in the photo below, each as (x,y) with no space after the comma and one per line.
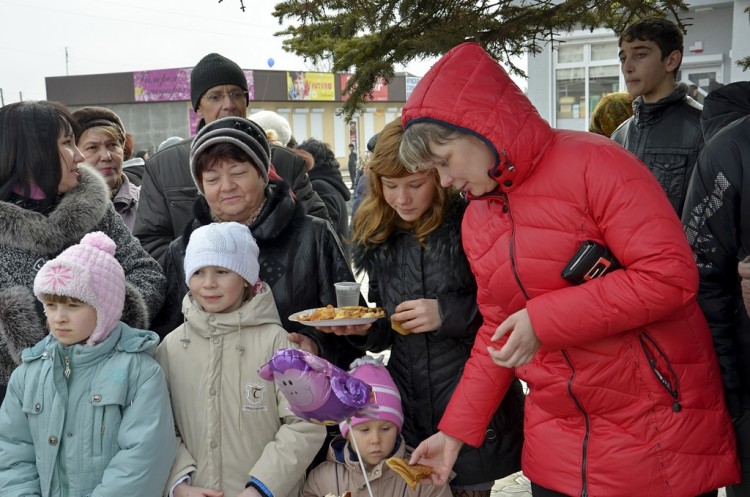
(321,152)
(663,32)
(29,152)
(220,151)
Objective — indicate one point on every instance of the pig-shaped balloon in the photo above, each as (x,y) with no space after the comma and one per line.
(316,390)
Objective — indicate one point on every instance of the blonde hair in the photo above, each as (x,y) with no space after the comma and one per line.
(375,220)
(415,151)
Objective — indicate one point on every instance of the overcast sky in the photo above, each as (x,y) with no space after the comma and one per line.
(104,36)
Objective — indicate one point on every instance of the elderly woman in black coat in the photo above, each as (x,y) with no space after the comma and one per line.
(300,256)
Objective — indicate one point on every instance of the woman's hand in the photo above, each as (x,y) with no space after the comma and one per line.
(352,329)
(522,343)
(418,316)
(185,490)
(305,342)
(439,452)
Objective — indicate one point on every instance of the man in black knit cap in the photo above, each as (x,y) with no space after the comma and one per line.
(218,88)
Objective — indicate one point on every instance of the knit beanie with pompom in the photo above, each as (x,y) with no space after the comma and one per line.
(90,273)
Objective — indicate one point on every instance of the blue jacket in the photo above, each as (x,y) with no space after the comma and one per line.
(107,430)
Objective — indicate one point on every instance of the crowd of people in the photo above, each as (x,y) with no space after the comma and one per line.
(572,305)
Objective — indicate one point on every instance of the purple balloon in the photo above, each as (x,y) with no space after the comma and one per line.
(317,390)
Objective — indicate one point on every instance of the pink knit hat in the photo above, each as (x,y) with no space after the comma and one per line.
(90,273)
(386,398)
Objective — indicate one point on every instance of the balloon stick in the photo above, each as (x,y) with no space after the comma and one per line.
(359,456)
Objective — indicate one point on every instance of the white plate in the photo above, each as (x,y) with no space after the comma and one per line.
(328,322)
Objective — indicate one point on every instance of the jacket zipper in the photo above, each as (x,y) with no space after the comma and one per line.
(584,461)
(512,245)
(670,386)
(584,482)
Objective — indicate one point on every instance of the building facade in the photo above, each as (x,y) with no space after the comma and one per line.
(155,105)
(570,76)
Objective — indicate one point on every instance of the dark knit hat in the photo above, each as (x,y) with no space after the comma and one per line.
(237,131)
(93,117)
(214,70)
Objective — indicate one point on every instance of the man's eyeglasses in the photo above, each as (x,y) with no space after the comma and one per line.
(234,96)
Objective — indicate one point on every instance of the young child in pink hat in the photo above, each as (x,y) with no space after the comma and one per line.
(87,412)
(378,437)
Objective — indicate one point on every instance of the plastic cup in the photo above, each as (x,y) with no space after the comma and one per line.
(347,293)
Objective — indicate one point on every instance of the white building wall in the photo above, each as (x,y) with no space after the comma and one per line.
(711,52)
(740,40)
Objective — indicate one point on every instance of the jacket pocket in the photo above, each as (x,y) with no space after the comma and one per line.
(661,368)
(180,204)
(671,170)
(108,408)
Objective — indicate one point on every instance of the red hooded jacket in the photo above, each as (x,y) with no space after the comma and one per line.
(625,393)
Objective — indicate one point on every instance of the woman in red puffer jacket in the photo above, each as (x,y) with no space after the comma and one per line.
(625,393)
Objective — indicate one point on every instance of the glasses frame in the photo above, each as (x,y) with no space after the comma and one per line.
(235,96)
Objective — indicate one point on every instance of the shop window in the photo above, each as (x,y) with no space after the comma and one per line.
(584,73)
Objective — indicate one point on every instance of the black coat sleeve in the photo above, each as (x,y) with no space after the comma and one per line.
(291,167)
(711,221)
(167,195)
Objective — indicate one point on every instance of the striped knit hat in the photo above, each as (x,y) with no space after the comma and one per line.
(386,402)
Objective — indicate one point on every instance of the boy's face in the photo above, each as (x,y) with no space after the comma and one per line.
(375,439)
(217,289)
(71,322)
(646,73)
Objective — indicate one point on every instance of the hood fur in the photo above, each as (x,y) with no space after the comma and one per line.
(77,213)
(20,326)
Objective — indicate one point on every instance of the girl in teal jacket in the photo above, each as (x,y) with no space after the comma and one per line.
(87,413)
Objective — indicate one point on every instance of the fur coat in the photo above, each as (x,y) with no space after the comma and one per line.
(29,239)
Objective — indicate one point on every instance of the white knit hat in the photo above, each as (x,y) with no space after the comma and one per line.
(271,121)
(90,273)
(229,245)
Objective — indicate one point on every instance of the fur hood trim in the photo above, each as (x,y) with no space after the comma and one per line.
(135,313)
(20,326)
(77,213)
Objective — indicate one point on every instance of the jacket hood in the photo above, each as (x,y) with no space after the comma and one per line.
(260,310)
(468,90)
(332,176)
(647,114)
(724,105)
